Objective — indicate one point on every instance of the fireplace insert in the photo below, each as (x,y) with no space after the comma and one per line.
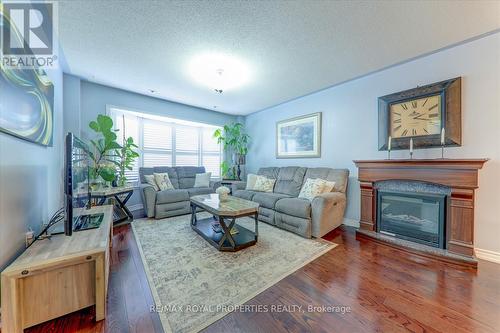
(414,216)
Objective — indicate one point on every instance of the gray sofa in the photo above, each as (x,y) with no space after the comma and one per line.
(161,204)
(282,208)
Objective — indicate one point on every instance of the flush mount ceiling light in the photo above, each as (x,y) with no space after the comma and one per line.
(219,71)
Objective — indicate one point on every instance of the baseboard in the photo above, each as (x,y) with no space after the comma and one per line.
(350,222)
(488,255)
(135,207)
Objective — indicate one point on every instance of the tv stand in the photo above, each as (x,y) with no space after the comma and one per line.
(57,276)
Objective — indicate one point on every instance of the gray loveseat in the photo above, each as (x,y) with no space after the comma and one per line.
(282,208)
(160,204)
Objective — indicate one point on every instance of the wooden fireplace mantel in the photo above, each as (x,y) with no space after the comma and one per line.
(461,175)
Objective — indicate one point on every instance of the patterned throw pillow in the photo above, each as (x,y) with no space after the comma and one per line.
(163,181)
(311,188)
(202,179)
(326,184)
(251,179)
(264,184)
(150,179)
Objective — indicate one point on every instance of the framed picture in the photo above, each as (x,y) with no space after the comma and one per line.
(26,110)
(299,137)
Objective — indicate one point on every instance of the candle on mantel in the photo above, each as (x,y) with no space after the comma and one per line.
(442,136)
(411,146)
(389,143)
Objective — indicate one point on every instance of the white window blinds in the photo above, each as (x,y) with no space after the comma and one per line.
(167,142)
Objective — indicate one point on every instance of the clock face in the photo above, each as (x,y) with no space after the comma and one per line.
(416,117)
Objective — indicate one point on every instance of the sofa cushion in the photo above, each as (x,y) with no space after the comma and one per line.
(199,190)
(294,206)
(339,176)
(270,172)
(169,196)
(172,174)
(187,175)
(268,200)
(290,180)
(244,194)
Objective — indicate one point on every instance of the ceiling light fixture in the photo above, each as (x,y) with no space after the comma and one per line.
(219,71)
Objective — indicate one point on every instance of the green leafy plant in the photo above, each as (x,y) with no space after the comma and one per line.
(127,157)
(234,140)
(103,154)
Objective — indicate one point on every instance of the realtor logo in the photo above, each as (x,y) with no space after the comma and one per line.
(28,29)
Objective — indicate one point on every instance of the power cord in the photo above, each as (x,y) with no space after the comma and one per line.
(57,217)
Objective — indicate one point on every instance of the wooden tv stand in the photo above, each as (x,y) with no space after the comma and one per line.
(57,276)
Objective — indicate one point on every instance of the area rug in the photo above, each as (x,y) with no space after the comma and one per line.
(194,284)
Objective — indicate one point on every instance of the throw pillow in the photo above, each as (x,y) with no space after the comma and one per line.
(150,179)
(264,184)
(251,179)
(202,179)
(163,181)
(326,184)
(311,189)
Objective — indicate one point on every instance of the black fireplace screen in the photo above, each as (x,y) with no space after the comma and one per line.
(418,217)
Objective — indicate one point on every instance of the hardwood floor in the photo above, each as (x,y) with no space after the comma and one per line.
(386,290)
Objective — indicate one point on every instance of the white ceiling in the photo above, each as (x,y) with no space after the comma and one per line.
(292,48)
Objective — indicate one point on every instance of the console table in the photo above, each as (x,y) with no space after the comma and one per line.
(58,275)
(121,195)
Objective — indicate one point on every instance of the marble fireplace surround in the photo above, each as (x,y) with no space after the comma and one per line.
(458,178)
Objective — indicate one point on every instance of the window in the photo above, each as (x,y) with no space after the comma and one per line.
(168,142)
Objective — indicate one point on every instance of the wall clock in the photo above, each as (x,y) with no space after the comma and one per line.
(421,113)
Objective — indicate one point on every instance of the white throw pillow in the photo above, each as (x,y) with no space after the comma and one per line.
(202,179)
(264,184)
(251,179)
(311,188)
(163,181)
(150,179)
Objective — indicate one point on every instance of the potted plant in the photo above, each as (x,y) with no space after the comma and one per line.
(103,153)
(235,141)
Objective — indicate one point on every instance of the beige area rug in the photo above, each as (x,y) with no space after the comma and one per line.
(194,284)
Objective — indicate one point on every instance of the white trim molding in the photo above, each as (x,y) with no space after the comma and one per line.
(488,255)
(350,222)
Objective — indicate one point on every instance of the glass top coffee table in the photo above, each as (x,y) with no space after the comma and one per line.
(217,229)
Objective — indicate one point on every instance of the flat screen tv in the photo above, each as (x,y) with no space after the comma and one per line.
(77,188)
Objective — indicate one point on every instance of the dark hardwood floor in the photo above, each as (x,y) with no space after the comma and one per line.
(386,290)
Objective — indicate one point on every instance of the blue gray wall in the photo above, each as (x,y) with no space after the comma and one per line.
(350,123)
(84,100)
(31,177)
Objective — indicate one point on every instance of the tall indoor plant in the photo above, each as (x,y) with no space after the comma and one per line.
(103,152)
(235,141)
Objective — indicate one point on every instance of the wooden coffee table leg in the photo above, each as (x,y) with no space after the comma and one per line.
(256,226)
(193,214)
(227,232)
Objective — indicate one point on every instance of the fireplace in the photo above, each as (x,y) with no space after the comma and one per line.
(453,180)
(413,216)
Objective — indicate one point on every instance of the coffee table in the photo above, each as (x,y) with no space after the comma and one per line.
(225,212)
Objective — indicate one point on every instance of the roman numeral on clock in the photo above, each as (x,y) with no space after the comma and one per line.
(404,132)
(414,131)
(433,107)
(434,115)
(414,104)
(396,121)
(404,106)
